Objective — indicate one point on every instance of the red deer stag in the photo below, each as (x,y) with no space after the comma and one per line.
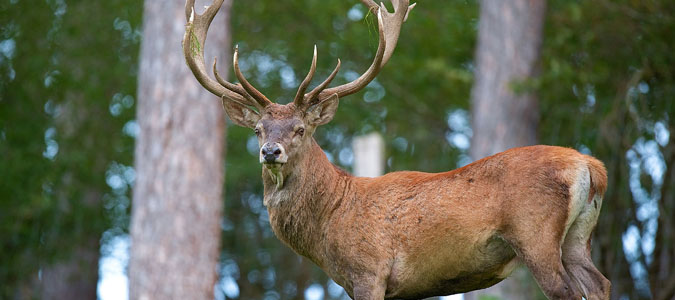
(410,235)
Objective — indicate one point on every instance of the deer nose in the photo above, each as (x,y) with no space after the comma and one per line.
(270,152)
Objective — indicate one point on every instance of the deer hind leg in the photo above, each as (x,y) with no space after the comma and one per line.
(576,255)
(547,268)
(538,246)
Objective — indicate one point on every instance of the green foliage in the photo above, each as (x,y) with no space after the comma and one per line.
(608,83)
(65,69)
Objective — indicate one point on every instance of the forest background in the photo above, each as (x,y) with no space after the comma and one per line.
(68,125)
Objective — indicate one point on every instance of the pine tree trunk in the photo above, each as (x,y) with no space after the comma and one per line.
(177,200)
(509,43)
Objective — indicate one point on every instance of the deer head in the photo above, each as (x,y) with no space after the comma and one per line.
(285,131)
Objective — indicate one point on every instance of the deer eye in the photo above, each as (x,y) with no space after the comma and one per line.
(257,132)
(300,131)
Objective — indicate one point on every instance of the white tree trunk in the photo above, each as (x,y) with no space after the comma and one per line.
(177,199)
(368,155)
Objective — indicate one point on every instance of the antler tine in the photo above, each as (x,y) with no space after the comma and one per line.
(299,96)
(319,88)
(193,48)
(368,76)
(234,87)
(389,26)
(393,22)
(258,96)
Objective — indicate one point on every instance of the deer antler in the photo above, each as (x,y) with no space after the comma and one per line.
(389,26)
(300,95)
(301,98)
(258,96)
(392,21)
(193,49)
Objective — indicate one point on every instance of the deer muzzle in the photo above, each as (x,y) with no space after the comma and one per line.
(273,153)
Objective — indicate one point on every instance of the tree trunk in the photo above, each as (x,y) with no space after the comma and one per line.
(368,155)
(509,43)
(177,200)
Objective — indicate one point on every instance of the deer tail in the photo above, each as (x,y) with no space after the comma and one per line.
(598,178)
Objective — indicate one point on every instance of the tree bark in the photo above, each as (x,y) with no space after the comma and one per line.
(177,199)
(509,43)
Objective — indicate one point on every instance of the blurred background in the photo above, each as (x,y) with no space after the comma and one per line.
(603,83)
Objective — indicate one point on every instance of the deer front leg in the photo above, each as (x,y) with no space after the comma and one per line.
(369,285)
(369,290)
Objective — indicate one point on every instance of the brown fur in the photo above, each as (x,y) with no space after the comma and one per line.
(410,235)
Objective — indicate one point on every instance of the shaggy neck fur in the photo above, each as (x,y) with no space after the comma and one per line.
(312,190)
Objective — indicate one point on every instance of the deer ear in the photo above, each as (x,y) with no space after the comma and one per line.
(322,112)
(241,114)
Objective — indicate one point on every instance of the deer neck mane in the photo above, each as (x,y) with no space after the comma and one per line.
(311,191)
